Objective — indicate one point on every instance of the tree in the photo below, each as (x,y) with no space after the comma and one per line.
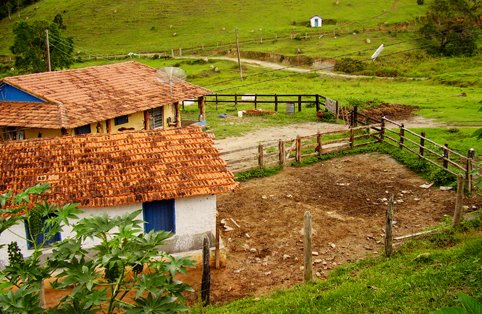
(451,27)
(124,271)
(30,47)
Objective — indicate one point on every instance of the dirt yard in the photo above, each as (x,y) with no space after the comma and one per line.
(347,198)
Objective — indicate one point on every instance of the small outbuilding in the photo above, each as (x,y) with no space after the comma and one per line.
(316,21)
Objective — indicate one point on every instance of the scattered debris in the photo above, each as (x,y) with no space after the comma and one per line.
(314,253)
(332,245)
(446,188)
(426,186)
(234,222)
(286,256)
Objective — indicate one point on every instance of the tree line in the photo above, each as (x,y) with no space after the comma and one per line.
(10,7)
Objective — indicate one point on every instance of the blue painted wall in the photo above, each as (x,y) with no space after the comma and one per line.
(10,93)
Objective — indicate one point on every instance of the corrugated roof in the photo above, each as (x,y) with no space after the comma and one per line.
(96,93)
(98,170)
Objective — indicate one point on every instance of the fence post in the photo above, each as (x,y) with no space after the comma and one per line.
(298,148)
(260,156)
(172,53)
(422,144)
(317,102)
(299,103)
(255,101)
(281,152)
(337,110)
(382,129)
(236,102)
(318,141)
(355,116)
(180,52)
(275,102)
(217,253)
(446,156)
(402,135)
(468,170)
(458,200)
(352,137)
(216,102)
(388,228)
(206,273)
(308,266)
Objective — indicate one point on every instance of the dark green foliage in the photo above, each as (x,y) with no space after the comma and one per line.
(442,177)
(59,20)
(9,7)
(349,65)
(257,173)
(420,2)
(30,47)
(450,27)
(15,257)
(469,305)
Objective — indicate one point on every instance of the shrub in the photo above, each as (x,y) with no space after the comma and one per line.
(349,65)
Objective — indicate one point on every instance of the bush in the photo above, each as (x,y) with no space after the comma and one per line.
(349,65)
(420,2)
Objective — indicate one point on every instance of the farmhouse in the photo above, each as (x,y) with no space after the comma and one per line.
(316,21)
(172,175)
(98,99)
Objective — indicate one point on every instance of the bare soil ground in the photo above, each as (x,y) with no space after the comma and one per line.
(347,198)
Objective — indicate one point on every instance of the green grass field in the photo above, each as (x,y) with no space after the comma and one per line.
(107,26)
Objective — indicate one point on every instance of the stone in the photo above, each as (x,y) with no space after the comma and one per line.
(332,245)
(286,256)
(317,261)
(267,273)
(314,253)
(253,250)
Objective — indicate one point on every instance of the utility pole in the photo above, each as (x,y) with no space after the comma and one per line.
(48,49)
(239,57)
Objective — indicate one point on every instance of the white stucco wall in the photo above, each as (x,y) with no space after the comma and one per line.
(313,23)
(194,216)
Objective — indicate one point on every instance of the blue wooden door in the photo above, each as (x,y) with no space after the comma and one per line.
(159,215)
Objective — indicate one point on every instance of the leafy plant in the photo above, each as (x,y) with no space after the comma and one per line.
(124,271)
(469,306)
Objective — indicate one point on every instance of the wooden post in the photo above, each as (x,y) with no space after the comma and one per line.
(239,56)
(458,201)
(422,144)
(172,53)
(236,102)
(355,116)
(299,103)
(217,253)
(298,149)
(202,113)
(382,130)
(281,150)
(108,123)
(308,266)
(255,101)
(276,103)
(446,156)
(317,102)
(260,156)
(180,52)
(178,114)
(318,142)
(352,137)
(216,102)
(402,135)
(337,110)
(468,170)
(206,273)
(388,228)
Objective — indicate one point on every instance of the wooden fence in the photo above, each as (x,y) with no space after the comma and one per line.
(292,102)
(284,151)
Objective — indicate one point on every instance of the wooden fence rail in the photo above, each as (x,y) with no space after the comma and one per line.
(364,130)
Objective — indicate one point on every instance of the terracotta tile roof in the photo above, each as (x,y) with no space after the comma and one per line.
(31,114)
(98,170)
(98,93)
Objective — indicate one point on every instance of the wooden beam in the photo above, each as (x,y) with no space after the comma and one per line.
(202,112)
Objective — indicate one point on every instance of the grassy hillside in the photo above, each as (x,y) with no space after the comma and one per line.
(121,26)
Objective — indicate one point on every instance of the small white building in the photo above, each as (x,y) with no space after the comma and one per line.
(172,175)
(316,21)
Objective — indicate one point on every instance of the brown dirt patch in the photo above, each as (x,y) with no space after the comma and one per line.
(391,111)
(346,197)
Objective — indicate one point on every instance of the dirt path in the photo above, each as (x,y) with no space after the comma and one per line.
(291,131)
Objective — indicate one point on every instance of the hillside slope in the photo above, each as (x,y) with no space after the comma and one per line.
(108,26)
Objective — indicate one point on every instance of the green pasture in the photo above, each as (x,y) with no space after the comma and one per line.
(108,27)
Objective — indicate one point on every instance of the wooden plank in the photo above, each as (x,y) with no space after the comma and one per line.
(458,201)
(308,266)
(388,228)
(238,150)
